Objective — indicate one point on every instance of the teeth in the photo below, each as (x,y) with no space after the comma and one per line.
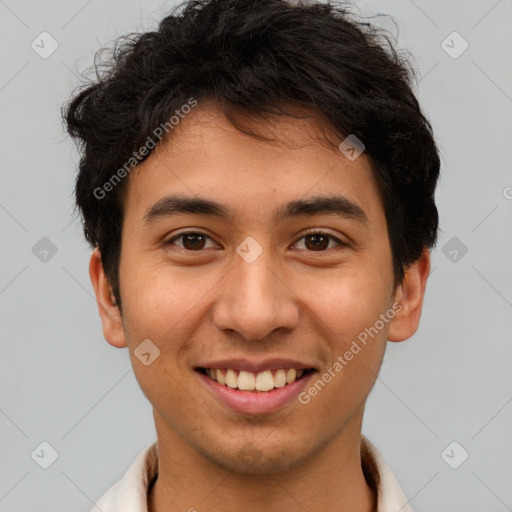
(290,375)
(246,381)
(231,379)
(280,379)
(249,381)
(265,381)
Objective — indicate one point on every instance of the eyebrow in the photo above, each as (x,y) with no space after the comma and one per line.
(338,205)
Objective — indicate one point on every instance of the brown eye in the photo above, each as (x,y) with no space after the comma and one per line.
(193,241)
(319,241)
(190,241)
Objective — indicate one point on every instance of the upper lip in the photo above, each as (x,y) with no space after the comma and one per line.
(256,366)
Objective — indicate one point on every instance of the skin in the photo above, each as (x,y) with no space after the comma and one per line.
(293,301)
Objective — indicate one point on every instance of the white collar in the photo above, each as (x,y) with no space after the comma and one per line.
(130,494)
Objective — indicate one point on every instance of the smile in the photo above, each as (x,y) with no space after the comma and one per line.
(249,392)
(266,380)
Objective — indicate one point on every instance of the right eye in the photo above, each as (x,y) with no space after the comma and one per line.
(192,241)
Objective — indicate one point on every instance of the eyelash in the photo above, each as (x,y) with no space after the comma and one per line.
(310,232)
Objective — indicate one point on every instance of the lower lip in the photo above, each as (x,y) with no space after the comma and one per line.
(256,402)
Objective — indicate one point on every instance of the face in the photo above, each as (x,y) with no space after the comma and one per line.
(285,271)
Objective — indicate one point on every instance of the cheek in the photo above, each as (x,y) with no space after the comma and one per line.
(345,315)
(166,306)
(159,307)
(159,299)
(346,304)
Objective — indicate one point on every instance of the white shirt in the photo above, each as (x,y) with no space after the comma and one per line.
(130,494)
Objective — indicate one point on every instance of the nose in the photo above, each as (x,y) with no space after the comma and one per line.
(255,299)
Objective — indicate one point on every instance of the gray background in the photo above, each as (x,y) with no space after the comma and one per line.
(60,381)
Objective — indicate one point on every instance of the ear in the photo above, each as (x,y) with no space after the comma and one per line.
(109,311)
(409,294)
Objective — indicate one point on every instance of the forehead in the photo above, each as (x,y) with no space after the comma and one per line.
(206,156)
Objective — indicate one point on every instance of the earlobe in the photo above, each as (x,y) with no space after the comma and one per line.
(409,295)
(109,312)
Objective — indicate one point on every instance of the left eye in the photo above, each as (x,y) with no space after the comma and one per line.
(319,241)
(195,241)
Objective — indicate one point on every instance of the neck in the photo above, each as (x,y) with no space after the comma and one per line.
(331,479)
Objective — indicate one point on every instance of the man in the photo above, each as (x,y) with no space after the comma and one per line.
(257,180)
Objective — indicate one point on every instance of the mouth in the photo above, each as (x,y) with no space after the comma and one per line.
(255,392)
(260,382)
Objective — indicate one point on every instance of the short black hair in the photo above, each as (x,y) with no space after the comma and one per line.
(254,57)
